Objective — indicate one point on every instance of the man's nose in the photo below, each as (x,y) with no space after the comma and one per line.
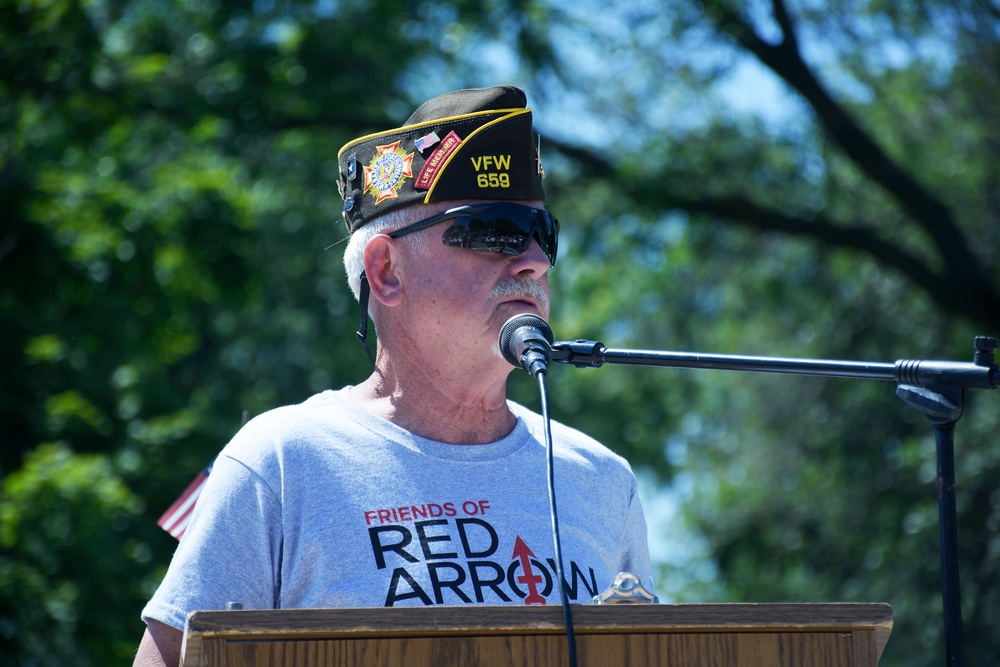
(532,262)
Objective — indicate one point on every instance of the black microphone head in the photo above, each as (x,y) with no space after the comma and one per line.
(511,328)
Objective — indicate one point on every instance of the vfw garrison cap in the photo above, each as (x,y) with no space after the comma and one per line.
(467,144)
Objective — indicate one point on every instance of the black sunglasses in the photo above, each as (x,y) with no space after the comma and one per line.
(497,227)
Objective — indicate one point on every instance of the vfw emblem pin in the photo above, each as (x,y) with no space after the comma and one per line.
(387,171)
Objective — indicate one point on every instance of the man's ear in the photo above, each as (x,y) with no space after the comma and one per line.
(384,269)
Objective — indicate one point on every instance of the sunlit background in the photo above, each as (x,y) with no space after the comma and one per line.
(802,179)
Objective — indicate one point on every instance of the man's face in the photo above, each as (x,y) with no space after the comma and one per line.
(458,296)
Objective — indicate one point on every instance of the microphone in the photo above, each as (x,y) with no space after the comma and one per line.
(526,342)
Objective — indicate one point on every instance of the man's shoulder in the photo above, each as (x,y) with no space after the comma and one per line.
(318,409)
(572,442)
(322,418)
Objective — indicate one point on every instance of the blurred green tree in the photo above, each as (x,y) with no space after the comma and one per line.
(169,177)
(792,179)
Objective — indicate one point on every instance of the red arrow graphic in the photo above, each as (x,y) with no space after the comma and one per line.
(529,578)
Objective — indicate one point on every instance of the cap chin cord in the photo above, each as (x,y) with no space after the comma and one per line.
(363,295)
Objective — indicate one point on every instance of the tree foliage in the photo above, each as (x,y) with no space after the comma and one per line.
(170,261)
(856,220)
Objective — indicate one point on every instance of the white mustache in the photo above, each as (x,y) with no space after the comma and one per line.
(521,287)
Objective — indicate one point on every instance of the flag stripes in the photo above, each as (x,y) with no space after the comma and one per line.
(175,519)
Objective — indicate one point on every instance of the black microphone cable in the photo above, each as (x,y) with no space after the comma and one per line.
(550,469)
(525,342)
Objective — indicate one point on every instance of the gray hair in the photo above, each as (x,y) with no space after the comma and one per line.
(354,254)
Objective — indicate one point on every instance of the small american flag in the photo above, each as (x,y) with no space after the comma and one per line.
(426,141)
(177,516)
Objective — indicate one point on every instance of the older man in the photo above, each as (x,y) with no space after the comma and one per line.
(423,485)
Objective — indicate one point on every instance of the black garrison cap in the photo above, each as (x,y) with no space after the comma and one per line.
(476,143)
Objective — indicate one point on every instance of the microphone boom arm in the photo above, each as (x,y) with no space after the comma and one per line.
(935,387)
(980,374)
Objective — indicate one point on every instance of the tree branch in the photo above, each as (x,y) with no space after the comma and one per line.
(651,193)
(740,210)
(926,209)
(789,39)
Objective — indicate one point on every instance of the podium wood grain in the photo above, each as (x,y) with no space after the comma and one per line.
(697,635)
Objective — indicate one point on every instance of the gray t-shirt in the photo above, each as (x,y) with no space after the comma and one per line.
(323,504)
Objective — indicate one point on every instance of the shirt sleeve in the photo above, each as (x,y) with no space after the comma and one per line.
(635,545)
(230,552)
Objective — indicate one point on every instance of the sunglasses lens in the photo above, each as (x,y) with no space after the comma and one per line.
(506,229)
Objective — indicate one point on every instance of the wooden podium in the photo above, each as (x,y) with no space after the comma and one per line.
(646,635)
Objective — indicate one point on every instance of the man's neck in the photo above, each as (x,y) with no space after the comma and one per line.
(461,407)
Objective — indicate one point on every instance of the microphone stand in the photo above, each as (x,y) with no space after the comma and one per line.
(936,388)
